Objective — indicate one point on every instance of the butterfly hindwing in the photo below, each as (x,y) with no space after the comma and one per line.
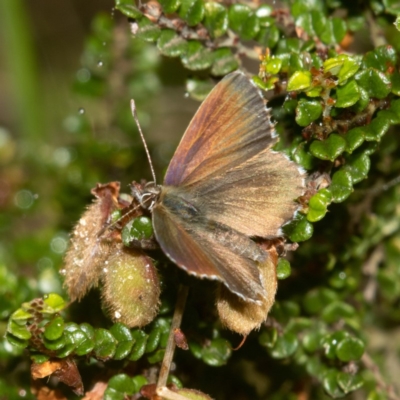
(201,250)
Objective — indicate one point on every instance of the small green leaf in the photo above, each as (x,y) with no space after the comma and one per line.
(299,80)
(331,385)
(318,205)
(128,9)
(170,6)
(347,95)
(198,89)
(349,68)
(395,108)
(374,82)
(349,382)
(354,138)
(17,343)
(303,157)
(192,11)
(397,23)
(217,352)
(272,65)
(311,341)
(329,149)
(119,388)
(171,44)
(54,329)
(268,84)
(19,331)
(105,344)
(329,343)
(216,19)
(55,345)
(139,381)
(69,346)
(342,66)
(147,30)
(125,341)
(299,230)
(224,62)
(139,347)
(244,21)
(196,57)
(268,37)
(21,315)
(307,111)
(350,349)
(381,58)
(341,186)
(315,300)
(85,345)
(238,13)
(363,102)
(156,357)
(39,358)
(268,337)
(395,79)
(264,14)
(339,28)
(53,303)
(153,340)
(289,309)
(283,269)
(358,166)
(88,329)
(285,345)
(377,128)
(319,21)
(337,310)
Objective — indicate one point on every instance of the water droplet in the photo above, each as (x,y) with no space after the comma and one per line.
(24,199)
(186,95)
(100,64)
(81,111)
(62,157)
(59,244)
(83,75)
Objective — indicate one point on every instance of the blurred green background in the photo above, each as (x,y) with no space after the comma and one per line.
(62,103)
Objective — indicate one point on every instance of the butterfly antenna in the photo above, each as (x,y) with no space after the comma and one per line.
(133,108)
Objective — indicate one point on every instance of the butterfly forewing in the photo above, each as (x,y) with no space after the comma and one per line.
(225,157)
(230,127)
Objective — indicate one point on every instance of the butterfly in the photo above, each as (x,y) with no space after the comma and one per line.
(225,187)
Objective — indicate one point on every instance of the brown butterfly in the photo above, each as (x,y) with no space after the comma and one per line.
(224,186)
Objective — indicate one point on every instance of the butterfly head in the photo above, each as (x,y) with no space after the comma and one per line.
(146,194)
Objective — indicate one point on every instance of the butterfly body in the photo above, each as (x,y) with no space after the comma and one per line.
(224,187)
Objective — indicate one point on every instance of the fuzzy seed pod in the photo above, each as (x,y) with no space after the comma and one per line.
(131,292)
(87,252)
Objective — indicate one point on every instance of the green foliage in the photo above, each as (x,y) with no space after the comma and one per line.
(337,112)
